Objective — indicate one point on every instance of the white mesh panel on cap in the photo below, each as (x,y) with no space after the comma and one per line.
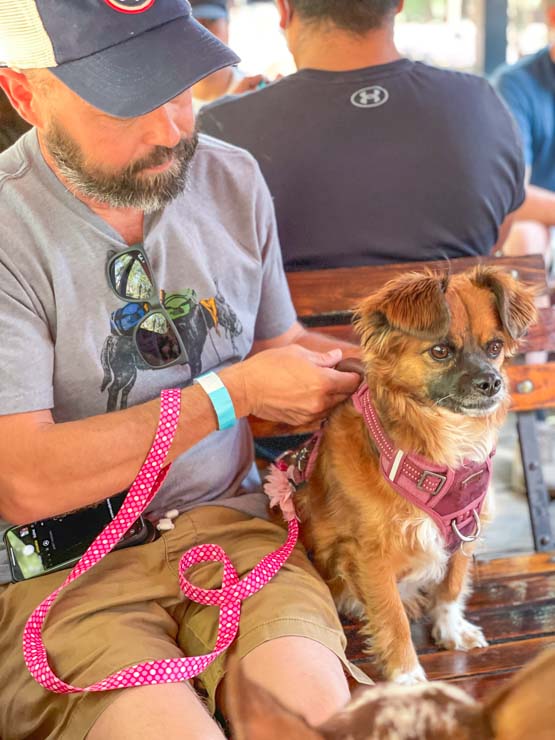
(24,43)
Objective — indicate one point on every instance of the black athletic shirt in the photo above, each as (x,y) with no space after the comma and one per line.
(401,161)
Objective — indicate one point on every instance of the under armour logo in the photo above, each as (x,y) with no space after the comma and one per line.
(370,97)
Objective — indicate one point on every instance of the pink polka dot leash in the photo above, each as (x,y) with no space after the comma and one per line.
(229,597)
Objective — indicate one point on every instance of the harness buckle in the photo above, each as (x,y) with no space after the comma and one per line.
(430,474)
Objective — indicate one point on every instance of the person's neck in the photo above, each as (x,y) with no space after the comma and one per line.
(128,222)
(339,51)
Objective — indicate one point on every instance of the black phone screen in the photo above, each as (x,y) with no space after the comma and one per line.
(53,543)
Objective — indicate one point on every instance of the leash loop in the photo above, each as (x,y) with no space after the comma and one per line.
(229,597)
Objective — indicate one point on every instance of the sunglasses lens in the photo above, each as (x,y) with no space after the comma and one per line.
(130,276)
(157,341)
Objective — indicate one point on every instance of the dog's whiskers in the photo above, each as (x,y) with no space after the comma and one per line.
(440,400)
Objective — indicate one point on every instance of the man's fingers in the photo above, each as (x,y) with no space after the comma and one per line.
(326,359)
(344,383)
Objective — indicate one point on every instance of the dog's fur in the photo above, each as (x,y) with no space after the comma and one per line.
(382,557)
(524,709)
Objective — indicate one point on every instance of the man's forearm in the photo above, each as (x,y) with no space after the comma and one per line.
(64,466)
(539,205)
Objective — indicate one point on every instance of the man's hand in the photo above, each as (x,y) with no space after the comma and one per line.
(290,384)
(248,84)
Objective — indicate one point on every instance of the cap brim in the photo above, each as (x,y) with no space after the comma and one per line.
(209,12)
(143,73)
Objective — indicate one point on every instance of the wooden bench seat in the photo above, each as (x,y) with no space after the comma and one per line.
(514,603)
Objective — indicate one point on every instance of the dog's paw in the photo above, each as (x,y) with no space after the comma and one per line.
(453,632)
(409,678)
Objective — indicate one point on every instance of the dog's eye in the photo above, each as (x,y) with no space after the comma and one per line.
(494,348)
(441,352)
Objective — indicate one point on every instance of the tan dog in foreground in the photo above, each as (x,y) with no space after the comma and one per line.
(524,709)
(433,349)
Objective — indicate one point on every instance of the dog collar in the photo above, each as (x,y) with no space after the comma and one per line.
(453,498)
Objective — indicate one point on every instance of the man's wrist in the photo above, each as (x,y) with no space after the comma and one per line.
(234,380)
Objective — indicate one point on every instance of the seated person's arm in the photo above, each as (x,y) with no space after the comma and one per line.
(48,468)
(539,206)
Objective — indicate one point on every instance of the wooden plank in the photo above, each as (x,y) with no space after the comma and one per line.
(498,625)
(516,565)
(532,386)
(451,664)
(512,592)
(340,289)
(484,684)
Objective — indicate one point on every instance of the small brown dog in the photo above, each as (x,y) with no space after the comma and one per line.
(524,709)
(399,484)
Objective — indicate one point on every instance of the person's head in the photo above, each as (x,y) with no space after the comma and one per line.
(549,8)
(213,15)
(111,102)
(356,16)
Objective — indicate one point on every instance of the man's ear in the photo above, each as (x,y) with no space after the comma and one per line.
(285,13)
(21,95)
(255,714)
(413,304)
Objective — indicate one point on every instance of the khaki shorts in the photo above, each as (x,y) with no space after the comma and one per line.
(129,608)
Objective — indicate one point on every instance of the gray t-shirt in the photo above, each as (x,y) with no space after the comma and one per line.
(215,253)
(399,161)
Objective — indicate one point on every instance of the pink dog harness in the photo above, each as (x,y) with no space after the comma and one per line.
(228,597)
(452,498)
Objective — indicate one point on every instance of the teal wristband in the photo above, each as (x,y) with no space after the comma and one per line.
(220,399)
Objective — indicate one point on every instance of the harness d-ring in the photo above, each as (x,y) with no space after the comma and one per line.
(472,537)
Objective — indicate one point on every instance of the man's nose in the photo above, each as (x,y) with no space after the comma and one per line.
(167,125)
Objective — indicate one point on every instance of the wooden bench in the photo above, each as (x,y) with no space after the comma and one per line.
(514,598)
(324,300)
(513,602)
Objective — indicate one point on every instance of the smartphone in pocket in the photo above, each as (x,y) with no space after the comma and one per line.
(52,544)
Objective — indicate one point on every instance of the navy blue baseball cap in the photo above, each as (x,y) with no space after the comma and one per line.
(125,57)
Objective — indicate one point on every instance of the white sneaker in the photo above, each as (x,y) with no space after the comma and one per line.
(546,441)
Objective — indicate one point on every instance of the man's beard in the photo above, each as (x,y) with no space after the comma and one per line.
(128,188)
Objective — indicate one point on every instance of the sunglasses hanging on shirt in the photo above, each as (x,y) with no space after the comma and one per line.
(154,333)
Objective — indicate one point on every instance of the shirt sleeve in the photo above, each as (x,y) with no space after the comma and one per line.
(26,369)
(276,313)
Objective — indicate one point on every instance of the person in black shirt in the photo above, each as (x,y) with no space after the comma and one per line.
(370,157)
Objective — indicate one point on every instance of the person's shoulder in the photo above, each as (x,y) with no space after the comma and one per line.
(526,67)
(449,80)
(214,150)
(216,162)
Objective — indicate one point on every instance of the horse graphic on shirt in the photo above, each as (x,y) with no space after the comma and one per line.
(196,322)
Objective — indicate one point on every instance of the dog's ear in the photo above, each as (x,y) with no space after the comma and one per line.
(515,301)
(524,709)
(255,714)
(414,304)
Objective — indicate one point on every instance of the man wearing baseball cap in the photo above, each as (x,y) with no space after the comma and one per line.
(136,256)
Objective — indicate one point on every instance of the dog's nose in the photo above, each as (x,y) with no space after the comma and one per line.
(487,383)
